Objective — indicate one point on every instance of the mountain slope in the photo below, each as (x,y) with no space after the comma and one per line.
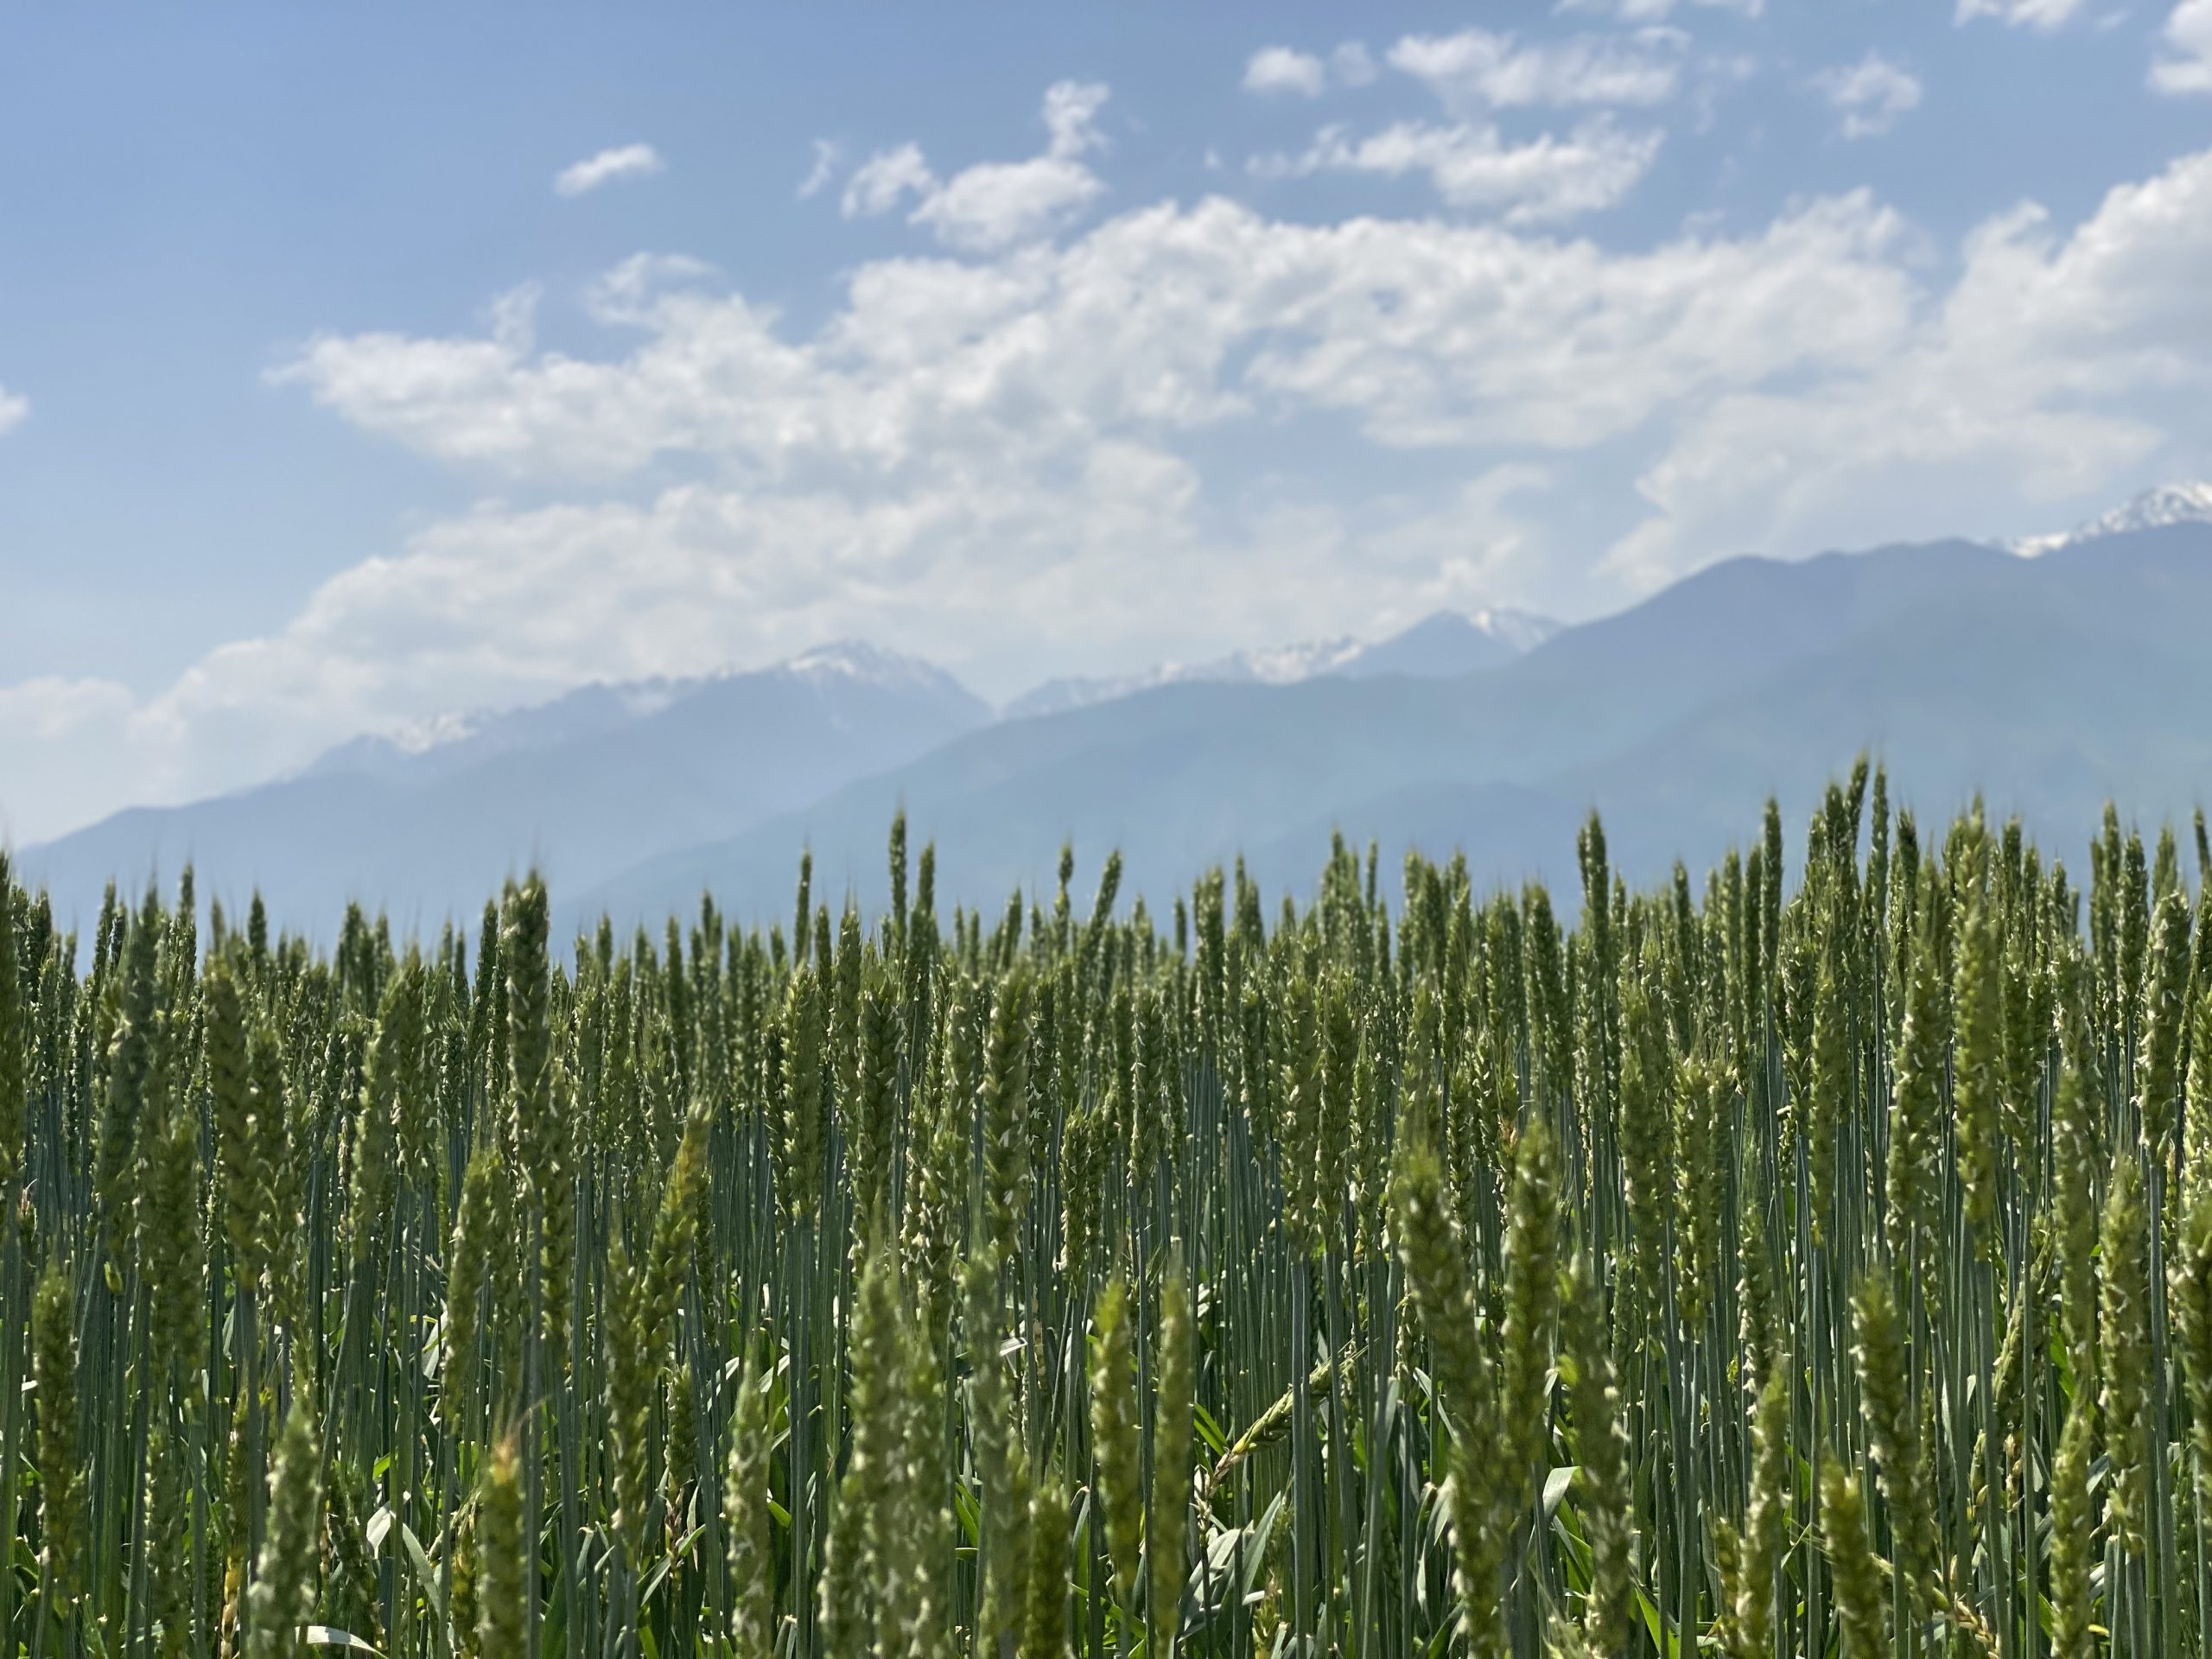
(2050,682)
(427,835)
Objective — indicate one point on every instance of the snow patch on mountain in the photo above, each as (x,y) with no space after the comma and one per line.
(2170,503)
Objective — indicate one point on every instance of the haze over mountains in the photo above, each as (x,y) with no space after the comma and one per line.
(2048,684)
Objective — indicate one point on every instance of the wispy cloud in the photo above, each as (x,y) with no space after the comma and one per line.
(993,204)
(626,161)
(15,410)
(1870,95)
(2041,14)
(886,178)
(1657,11)
(1551,178)
(1497,70)
(2188,36)
(828,156)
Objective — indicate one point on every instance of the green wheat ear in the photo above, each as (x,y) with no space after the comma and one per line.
(1602,1452)
(15,1083)
(282,1599)
(2123,1307)
(501,1582)
(1115,1436)
(1892,1429)
(61,1481)
(1045,1615)
(2189,1294)
(1171,1457)
(1861,1602)
(746,1499)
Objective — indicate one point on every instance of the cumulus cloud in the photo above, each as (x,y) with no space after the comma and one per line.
(629,161)
(1285,69)
(2027,376)
(1870,95)
(993,204)
(2187,66)
(2042,15)
(15,410)
(1548,179)
(1490,68)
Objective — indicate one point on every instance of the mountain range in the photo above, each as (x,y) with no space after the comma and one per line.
(2046,684)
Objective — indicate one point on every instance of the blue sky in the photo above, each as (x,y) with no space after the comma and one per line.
(1103,335)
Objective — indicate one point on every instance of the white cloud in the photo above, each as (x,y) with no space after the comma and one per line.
(1071,116)
(886,178)
(15,410)
(1870,95)
(2188,36)
(2042,15)
(1285,69)
(984,208)
(828,157)
(629,161)
(2029,377)
(1657,11)
(1549,178)
(1481,68)
(1426,332)
(995,205)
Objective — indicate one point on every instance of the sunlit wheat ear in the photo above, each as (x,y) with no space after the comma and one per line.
(2124,1311)
(746,1488)
(1892,1427)
(1001,1463)
(2073,1524)
(282,1599)
(502,1575)
(1861,1598)
(1003,1102)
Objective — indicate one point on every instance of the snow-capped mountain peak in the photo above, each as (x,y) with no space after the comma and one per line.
(1523,630)
(2169,504)
(859,661)
(1437,647)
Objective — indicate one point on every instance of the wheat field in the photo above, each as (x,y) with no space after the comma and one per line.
(1812,1258)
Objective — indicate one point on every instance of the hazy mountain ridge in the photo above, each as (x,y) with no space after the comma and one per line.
(2049,683)
(427,838)
(1442,644)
